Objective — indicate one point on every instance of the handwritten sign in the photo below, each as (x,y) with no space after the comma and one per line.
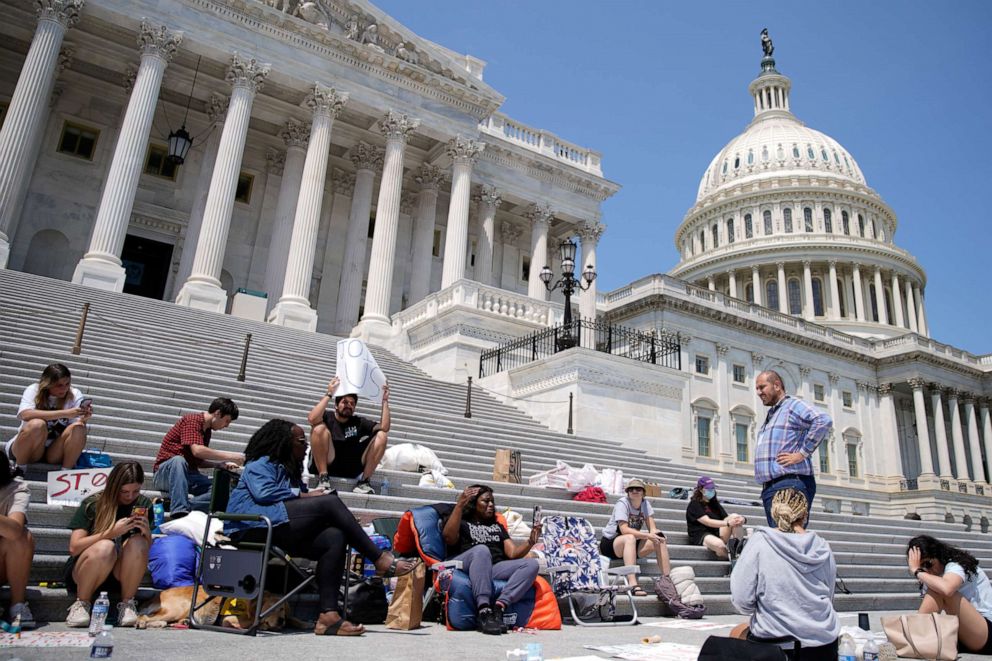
(359,373)
(71,487)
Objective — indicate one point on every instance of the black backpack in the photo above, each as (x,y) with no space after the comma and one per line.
(367,603)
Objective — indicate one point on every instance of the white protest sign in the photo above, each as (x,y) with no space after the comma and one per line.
(358,371)
(71,487)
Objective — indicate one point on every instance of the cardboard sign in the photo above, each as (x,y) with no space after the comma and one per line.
(652,490)
(359,373)
(506,466)
(71,487)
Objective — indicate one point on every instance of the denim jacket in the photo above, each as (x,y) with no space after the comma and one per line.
(263,488)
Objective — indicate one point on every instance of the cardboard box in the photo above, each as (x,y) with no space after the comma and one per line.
(506,466)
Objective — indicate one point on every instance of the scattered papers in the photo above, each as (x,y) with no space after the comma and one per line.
(46,639)
(658,652)
(358,371)
(695,625)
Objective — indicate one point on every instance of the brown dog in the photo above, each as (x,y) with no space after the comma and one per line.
(172,606)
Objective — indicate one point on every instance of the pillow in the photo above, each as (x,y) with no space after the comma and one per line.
(193,526)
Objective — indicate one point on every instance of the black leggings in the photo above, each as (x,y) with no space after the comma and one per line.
(320,528)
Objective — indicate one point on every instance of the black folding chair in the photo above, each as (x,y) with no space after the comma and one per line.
(237,570)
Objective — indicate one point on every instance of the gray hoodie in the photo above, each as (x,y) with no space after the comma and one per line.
(785,582)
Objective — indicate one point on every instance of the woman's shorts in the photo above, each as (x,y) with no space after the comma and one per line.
(606,547)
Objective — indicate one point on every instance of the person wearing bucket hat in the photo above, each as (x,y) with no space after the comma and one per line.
(632,533)
(709,524)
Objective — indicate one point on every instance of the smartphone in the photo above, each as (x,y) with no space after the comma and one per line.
(537,516)
(139,511)
(86,402)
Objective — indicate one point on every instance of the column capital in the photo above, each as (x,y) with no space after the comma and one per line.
(247,73)
(408,202)
(366,156)
(464,150)
(217,107)
(832,263)
(65,12)
(539,213)
(984,402)
(429,177)
(591,231)
(917,383)
(804,371)
(158,40)
(862,385)
(325,100)
(968,399)
(755,269)
(884,389)
(128,77)
(275,160)
(722,349)
(833,377)
(510,232)
(807,263)
(396,125)
(780,265)
(953,394)
(935,388)
(295,133)
(491,195)
(343,183)
(856,266)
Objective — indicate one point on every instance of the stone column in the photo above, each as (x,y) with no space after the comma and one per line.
(216,107)
(809,310)
(783,291)
(897,301)
(295,134)
(732,283)
(922,430)
(911,307)
(490,200)
(367,160)
(101,265)
(21,131)
(396,126)
(940,432)
(889,456)
(921,321)
(759,295)
(463,153)
(294,308)
(983,407)
(859,293)
(834,291)
(429,177)
(883,314)
(202,290)
(590,233)
(957,433)
(343,187)
(974,442)
(509,262)
(540,218)
(711,283)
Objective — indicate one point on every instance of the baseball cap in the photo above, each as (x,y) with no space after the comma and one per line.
(706,482)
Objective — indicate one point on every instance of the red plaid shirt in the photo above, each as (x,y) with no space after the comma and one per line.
(185,433)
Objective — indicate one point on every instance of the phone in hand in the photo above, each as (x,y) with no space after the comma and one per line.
(537,516)
(139,511)
(86,403)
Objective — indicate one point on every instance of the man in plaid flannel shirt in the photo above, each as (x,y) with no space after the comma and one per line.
(789,436)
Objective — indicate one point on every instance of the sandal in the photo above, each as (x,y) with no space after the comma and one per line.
(638,592)
(394,570)
(340,628)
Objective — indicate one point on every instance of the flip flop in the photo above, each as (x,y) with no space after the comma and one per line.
(339,629)
(638,592)
(392,570)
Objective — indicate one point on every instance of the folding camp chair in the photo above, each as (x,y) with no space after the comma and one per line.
(238,570)
(572,552)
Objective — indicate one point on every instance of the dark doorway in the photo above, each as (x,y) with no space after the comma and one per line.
(146,264)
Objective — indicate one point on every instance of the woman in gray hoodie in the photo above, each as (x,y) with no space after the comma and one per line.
(784,579)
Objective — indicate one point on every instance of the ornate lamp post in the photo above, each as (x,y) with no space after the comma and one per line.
(568,284)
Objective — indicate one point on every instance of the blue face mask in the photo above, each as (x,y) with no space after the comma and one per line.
(708,494)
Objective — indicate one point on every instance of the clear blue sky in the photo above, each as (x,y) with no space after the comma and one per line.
(660,86)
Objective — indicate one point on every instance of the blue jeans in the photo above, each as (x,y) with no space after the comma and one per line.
(804,483)
(177,479)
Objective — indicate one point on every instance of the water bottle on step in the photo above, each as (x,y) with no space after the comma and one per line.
(99,614)
(103,644)
(846,650)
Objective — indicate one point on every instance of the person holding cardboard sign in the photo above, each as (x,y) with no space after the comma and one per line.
(344,444)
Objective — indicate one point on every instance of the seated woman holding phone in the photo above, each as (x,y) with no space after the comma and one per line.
(487,554)
(111,535)
(53,418)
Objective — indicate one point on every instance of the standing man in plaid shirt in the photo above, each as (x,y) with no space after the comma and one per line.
(185,449)
(789,436)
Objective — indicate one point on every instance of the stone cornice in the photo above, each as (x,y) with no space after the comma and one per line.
(538,167)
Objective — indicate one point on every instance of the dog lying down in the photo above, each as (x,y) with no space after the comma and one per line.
(172,606)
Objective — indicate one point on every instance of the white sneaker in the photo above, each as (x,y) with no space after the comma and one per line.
(21,610)
(79,614)
(363,487)
(127,613)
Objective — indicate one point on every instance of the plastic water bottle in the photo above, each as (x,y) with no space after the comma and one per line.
(103,644)
(871,649)
(384,491)
(158,515)
(846,650)
(99,614)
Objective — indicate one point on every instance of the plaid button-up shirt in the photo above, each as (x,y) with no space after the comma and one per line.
(185,433)
(792,425)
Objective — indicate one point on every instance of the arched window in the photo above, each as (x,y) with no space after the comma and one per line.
(823,155)
(845,222)
(737,162)
(828,223)
(795,297)
(817,297)
(750,157)
(725,167)
(730,230)
(749,293)
(787,220)
(771,294)
(764,153)
(748,227)
(810,153)
(767,216)
(808,219)
(840,298)
(716,236)
(795,151)
(702,240)
(874,302)
(861,225)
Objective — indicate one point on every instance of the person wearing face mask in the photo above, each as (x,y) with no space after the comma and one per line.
(709,524)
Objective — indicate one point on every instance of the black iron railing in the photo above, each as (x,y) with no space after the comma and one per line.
(662,349)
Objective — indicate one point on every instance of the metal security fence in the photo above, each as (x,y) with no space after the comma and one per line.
(664,349)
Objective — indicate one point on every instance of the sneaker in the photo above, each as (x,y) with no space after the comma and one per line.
(487,622)
(18,471)
(364,487)
(79,615)
(127,613)
(498,613)
(324,482)
(21,610)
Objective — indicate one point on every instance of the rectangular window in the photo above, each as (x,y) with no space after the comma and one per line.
(436,246)
(852,460)
(157,163)
(243,192)
(702,365)
(703,425)
(78,141)
(525,269)
(824,458)
(740,374)
(817,392)
(740,432)
(848,399)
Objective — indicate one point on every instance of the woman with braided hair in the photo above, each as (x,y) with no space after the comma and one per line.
(784,579)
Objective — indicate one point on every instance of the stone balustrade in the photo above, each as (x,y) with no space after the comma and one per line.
(542,142)
(485,298)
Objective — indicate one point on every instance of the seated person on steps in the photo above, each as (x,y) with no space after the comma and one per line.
(344,444)
(110,539)
(16,543)
(624,537)
(53,418)
(709,524)
(185,449)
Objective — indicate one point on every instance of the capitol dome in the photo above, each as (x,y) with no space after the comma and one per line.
(785,219)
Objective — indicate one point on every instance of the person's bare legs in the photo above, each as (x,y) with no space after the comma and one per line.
(68,446)
(973,632)
(131,566)
(717,544)
(16,554)
(660,550)
(373,454)
(93,567)
(28,447)
(625,546)
(321,448)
